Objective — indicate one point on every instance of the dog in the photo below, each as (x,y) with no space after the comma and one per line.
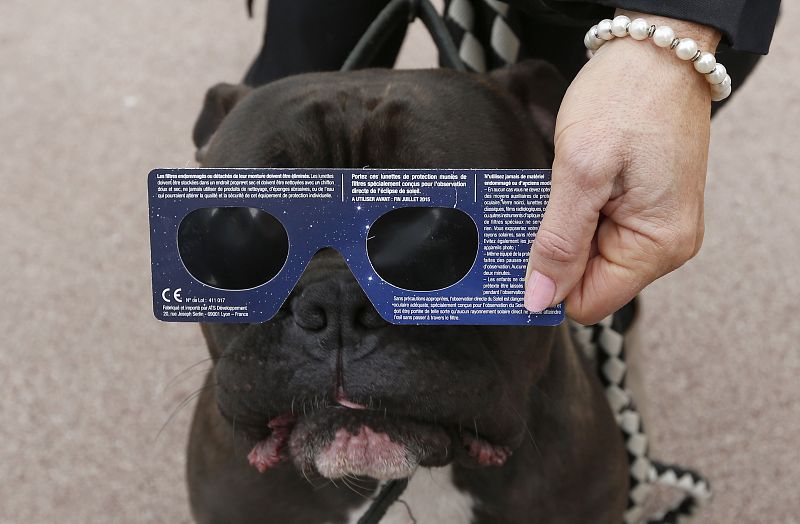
(493,424)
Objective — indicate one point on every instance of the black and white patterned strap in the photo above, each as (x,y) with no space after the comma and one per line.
(485,32)
(604,344)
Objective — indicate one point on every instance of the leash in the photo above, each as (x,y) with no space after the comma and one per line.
(388,496)
(603,343)
(463,46)
(404,12)
(363,56)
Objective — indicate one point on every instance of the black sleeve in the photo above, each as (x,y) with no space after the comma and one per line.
(303,36)
(746,25)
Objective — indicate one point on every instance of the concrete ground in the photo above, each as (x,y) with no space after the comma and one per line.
(95,94)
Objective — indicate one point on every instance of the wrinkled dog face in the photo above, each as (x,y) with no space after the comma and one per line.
(327,383)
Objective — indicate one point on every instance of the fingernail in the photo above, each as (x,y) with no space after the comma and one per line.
(540,292)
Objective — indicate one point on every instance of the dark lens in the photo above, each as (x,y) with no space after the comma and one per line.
(232,247)
(423,248)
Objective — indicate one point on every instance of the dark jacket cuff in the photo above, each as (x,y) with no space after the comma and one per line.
(746,25)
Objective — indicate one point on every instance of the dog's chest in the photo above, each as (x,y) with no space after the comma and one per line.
(430,496)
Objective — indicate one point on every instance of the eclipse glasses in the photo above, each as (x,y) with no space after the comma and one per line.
(427,246)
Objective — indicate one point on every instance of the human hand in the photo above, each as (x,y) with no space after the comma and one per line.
(631,152)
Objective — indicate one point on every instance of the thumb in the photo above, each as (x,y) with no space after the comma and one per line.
(561,247)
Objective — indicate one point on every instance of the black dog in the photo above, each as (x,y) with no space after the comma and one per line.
(496,424)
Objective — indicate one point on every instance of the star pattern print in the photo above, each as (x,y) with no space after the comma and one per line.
(341,221)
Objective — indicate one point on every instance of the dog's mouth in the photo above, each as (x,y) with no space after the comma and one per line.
(352,440)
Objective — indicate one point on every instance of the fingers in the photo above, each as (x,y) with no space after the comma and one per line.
(605,287)
(562,245)
(626,262)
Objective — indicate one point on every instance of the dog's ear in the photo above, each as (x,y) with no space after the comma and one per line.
(219,101)
(538,87)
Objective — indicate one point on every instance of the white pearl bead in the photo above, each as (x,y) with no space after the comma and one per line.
(663,36)
(720,92)
(619,26)
(686,49)
(706,63)
(717,75)
(639,29)
(604,29)
(591,42)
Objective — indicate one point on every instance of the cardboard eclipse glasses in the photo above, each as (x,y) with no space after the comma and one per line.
(427,246)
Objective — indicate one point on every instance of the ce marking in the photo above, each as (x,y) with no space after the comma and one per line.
(176,295)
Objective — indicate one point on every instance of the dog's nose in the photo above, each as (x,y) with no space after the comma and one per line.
(334,304)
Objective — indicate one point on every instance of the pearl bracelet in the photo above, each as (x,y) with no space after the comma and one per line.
(663,36)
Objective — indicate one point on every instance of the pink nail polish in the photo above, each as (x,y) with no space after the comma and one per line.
(540,291)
